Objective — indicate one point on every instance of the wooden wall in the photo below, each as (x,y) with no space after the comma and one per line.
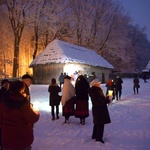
(43,74)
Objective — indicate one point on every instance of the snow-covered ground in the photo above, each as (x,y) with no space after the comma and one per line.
(129,129)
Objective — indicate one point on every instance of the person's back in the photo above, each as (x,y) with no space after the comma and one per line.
(67,100)
(4,87)
(17,118)
(82,106)
(118,87)
(136,85)
(110,86)
(54,98)
(61,79)
(3,90)
(118,83)
(136,81)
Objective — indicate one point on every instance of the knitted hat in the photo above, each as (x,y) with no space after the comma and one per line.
(26,76)
(4,81)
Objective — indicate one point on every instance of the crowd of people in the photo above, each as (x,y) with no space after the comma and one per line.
(75,102)
(18,115)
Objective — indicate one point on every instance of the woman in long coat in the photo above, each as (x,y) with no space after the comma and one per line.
(82,105)
(68,99)
(54,98)
(99,110)
(17,118)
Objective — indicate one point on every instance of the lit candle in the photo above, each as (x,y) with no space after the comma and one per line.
(110,92)
(36,105)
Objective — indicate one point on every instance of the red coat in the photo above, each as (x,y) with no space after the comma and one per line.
(17,118)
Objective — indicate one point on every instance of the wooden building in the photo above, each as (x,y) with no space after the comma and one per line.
(61,57)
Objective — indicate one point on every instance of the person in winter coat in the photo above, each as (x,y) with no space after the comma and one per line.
(54,98)
(4,87)
(136,85)
(61,79)
(68,99)
(3,90)
(99,110)
(118,87)
(27,79)
(17,118)
(110,86)
(82,105)
(144,77)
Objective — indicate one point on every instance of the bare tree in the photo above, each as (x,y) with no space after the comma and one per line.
(17,13)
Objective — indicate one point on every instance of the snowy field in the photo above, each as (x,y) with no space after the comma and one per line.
(129,129)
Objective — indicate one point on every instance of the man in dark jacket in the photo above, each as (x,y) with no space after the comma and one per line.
(118,87)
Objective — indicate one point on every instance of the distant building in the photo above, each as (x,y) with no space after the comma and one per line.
(147,70)
(61,57)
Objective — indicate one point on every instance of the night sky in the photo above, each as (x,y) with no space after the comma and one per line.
(139,11)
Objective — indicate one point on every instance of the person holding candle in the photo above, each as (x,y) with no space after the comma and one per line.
(99,110)
(110,87)
(17,118)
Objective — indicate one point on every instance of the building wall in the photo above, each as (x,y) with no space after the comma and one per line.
(43,74)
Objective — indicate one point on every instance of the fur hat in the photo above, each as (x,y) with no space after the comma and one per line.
(95,81)
(4,81)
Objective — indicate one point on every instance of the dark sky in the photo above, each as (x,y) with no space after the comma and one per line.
(139,10)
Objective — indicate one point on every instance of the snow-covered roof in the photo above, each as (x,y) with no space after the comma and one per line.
(148,66)
(62,52)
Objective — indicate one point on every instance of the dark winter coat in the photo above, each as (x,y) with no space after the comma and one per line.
(17,118)
(2,92)
(118,83)
(136,82)
(54,98)
(81,89)
(82,97)
(99,106)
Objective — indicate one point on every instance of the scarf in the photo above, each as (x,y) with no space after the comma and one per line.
(68,91)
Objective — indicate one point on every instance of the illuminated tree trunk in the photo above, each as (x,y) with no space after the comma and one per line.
(16,53)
